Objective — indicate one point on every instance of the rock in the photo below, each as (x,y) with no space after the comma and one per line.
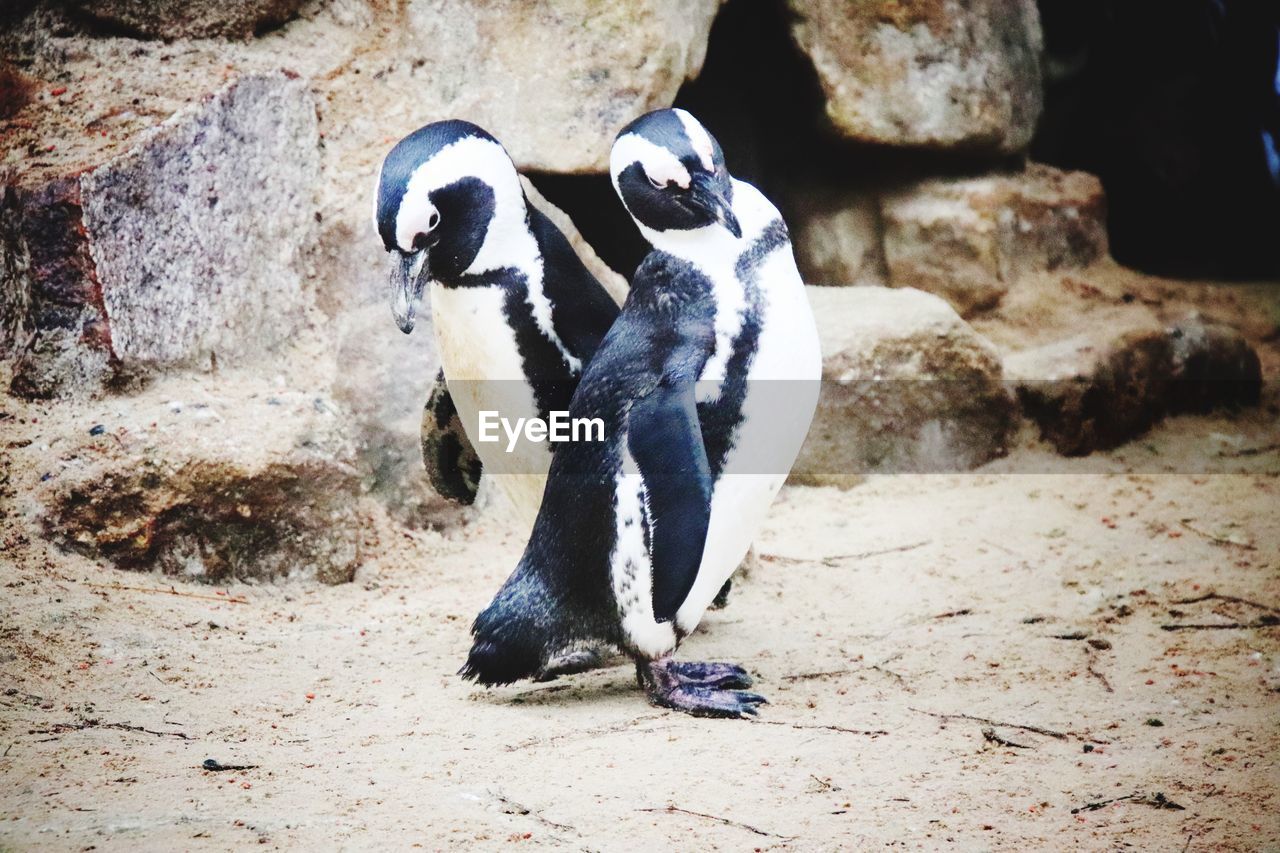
(1213,367)
(927,73)
(382,381)
(589,68)
(838,238)
(1107,385)
(969,239)
(230,480)
(16,90)
(907,386)
(175,19)
(192,244)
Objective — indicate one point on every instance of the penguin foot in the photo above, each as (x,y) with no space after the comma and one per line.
(723,676)
(573,662)
(700,689)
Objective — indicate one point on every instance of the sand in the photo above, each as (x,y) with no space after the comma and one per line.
(964,660)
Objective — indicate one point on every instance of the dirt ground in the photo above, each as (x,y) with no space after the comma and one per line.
(977,660)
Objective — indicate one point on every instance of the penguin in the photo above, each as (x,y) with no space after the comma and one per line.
(516,313)
(694,448)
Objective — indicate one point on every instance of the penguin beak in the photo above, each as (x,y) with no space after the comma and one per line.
(706,196)
(407,280)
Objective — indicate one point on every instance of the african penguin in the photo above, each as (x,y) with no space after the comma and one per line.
(759,391)
(693,453)
(516,313)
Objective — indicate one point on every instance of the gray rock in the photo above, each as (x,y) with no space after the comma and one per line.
(969,239)
(929,73)
(174,19)
(554,82)
(209,481)
(838,237)
(192,244)
(1108,384)
(907,386)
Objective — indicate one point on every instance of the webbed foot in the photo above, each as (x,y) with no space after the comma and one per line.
(701,689)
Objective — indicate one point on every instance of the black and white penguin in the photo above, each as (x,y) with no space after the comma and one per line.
(516,313)
(638,532)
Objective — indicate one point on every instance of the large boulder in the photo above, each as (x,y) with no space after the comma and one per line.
(209,480)
(174,19)
(969,239)
(1109,383)
(907,386)
(191,245)
(926,73)
(553,81)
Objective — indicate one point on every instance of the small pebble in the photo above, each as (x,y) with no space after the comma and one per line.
(97,429)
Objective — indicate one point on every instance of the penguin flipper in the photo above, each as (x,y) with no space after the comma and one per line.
(665,439)
(453,467)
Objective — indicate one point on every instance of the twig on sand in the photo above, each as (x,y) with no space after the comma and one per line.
(839,558)
(951,614)
(1094,806)
(59,728)
(232,599)
(724,820)
(1249,451)
(1267,621)
(1213,596)
(1216,539)
(1156,801)
(213,765)
(866,555)
(1035,729)
(1092,658)
(822,726)
(832,673)
(601,730)
(512,807)
(989,735)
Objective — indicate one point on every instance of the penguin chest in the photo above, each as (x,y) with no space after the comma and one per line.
(485,372)
(630,566)
(781,392)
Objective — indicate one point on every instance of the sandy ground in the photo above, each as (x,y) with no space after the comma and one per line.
(967,660)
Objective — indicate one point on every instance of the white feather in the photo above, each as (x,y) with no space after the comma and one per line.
(630,566)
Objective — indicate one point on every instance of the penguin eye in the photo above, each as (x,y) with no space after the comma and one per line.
(657,185)
(433,221)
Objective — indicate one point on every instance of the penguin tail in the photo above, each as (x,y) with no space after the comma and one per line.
(510,643)
(491,663)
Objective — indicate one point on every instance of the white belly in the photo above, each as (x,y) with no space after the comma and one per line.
(484,372)
(782,393)
(630,566)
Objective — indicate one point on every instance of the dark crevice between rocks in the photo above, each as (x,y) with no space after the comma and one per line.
(759,95)
(1168,101)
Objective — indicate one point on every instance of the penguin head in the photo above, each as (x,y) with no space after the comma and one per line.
(447,201)
(670,174)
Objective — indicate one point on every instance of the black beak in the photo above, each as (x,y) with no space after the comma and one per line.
(706,195)
(408,276)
